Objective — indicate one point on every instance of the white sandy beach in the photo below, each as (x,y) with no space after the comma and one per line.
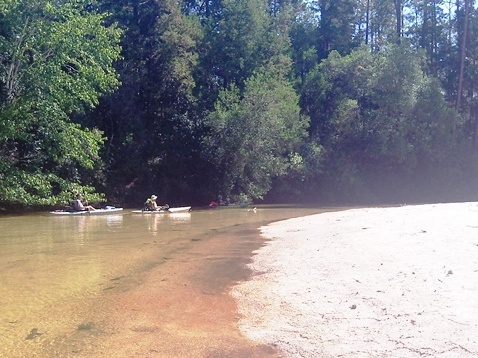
(379,282)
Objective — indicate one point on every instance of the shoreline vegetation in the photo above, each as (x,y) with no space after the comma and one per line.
(368,282)
(269,101)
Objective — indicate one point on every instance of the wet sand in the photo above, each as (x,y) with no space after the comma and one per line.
(378,282)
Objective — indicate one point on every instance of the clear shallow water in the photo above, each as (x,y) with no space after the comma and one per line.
(54,269)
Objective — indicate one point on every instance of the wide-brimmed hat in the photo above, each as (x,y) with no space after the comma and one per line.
(153,197)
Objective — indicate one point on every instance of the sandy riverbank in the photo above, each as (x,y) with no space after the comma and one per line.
(379,282)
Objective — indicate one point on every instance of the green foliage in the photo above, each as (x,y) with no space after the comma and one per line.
(254,137)
(56,61)
(20,187)
(378,112)
(236,44)
(208,100)
(179,36)
(152,121)
(336,26)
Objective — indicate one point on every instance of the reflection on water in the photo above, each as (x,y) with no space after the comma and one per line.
(80,227)
(157,222)
(180,217)
(56,268)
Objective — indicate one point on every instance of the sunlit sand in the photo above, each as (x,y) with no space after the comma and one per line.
(378,282)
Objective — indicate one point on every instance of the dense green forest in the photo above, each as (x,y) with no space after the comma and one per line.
(326,101)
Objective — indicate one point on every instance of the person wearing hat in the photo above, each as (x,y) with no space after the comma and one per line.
(151,204)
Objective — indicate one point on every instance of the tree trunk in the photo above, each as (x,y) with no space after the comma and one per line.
(367,20)
(474,118)
(459,94)
(398,14)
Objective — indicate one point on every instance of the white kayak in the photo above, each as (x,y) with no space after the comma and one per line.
(170,210)
(107,210)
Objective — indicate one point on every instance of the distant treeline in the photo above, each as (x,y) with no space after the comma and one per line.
(327,101)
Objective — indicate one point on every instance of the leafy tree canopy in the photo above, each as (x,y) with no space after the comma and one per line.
(56,60)
(255,137)
(379,112)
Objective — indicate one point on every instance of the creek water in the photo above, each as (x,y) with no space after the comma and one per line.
(57,270)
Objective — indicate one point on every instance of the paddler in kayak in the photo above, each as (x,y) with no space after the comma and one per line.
(79,206)
(151,205)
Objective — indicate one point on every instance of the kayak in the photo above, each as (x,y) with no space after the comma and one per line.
(170,210)
(107,210)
